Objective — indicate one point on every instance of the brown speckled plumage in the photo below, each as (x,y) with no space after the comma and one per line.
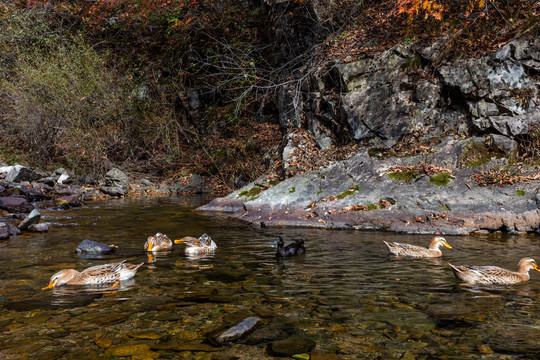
(158,242)
(494,275)
(95,275)
(401,249)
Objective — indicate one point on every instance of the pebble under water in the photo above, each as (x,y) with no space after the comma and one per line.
(346,298)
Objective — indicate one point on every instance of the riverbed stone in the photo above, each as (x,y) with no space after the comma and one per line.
(69,201)
(39,228)
(12,229)
(294,344)
(132,349)
(522,340)
(31,219)
(93,247)
(4,232)
(267,333)
(238,331)
(146,334)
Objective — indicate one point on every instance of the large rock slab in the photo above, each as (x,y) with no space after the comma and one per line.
(349,194)
(15,204)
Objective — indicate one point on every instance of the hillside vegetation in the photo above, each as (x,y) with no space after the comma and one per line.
(85,85)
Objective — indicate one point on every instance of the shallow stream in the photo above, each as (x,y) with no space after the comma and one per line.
(345,294)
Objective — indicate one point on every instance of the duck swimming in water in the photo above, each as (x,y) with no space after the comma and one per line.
(158,242)
(471,274)
(195,246)
(95,275)
(295,248)
(400,249)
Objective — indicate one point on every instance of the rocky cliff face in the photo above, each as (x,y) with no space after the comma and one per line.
(405,92)
(406,95)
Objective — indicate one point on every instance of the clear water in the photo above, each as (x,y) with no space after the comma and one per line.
(346,293)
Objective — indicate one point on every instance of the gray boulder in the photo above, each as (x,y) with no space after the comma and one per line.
(93,247)
(32,219)
(20,173)
(12,230)
(117,179)
(4,232)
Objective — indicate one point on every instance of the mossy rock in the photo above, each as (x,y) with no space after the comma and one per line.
(351,191)
(252,193)
(440,179)
(520,192)
(406,176)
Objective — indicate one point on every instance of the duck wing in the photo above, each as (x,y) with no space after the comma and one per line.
(402,249)
(486,274)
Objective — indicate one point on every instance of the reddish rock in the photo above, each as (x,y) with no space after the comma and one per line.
(15,204)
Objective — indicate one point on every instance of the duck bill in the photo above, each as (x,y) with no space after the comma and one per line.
(536,268)
(274,244)
(150,246)
(51,285)
(447,245)
(179,241)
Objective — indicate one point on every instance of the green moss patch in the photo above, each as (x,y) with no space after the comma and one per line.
(351,191)
(293,189)
(406,176)
(520,192)
(251,193)
(440,179)
(477,153)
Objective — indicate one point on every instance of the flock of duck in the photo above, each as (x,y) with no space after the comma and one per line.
(469,274)
(113,273)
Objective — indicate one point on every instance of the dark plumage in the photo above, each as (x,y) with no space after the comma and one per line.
(296,248)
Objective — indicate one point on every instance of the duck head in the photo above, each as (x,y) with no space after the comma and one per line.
(278,242)
(205,240)
(527,264)
(61,278)
(437,242)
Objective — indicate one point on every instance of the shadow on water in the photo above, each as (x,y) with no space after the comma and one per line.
(346,293)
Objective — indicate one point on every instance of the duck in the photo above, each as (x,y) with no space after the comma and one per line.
(158,242)
(401,249)
(471,274)
(194,245)
(95,275)
(293,249)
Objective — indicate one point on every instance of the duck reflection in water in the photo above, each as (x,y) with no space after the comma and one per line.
(293,249)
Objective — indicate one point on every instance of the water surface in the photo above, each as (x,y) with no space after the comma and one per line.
(346,293)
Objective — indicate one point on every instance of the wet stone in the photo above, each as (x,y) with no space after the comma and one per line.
(184,347)
(146,334)
(238,331)
(111,319)
(268,333)
(404,318)
(295,344)
(59,334)
(516,340)
(93,247)
(316,355)
(103,343)
(128,349)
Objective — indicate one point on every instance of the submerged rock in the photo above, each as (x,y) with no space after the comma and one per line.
(38,227)
(294,344)
(238,331)
(93,247)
